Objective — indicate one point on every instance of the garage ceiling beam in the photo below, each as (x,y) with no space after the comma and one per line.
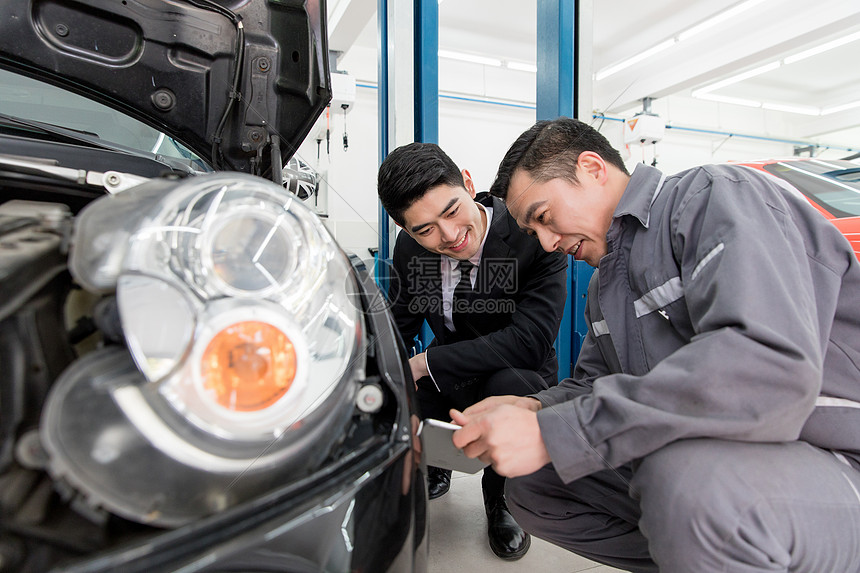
(346,20)
(746,46)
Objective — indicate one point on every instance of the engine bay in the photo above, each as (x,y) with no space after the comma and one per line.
(41,524)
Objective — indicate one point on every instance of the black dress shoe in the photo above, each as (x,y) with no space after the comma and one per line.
(439,481)
(507,539)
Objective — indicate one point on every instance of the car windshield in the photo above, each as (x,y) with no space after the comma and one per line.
(31,100)
(835,185)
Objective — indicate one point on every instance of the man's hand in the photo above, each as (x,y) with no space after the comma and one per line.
(492,402)
(502,432)
(418,365)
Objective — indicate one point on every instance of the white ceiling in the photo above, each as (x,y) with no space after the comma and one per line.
(766,33)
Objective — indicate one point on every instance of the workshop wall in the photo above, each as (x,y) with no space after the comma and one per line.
(477,126)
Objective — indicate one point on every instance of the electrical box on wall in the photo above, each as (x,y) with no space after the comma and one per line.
(342,91)
(644,129)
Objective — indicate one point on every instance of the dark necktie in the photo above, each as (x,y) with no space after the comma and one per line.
(462,292)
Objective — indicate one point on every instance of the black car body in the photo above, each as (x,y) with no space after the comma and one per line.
(193,376)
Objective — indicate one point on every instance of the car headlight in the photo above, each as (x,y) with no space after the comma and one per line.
(235,305)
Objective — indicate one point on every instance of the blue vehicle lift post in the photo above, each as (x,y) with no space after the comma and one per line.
(425,104)
(558,90)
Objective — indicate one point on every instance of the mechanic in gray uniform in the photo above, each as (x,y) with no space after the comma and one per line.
(713,419)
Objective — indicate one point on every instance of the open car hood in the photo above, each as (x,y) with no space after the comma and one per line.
(173,65)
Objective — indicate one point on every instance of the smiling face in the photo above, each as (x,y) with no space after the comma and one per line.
(572,218)
(446,220)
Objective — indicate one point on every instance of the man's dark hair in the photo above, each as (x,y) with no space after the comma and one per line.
(409,172)
(550,150)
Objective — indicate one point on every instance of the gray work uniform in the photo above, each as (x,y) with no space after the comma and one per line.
(720,379)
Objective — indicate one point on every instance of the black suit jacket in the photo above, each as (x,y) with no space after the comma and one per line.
(514,313)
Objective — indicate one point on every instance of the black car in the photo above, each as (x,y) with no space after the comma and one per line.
(193,375)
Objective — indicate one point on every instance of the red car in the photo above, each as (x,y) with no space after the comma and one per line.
(831,185)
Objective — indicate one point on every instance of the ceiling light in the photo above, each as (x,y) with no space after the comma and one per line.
(802,109)
(721,17)
(738,78)
(624,64)
(727,99)
(522,66)
(475,59)
(823,48)
(684,35)
(838,108)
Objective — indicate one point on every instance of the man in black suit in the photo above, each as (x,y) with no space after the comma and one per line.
(492,297)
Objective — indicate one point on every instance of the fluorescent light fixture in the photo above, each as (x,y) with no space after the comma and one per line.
(727,99)
(624,64)
(684,35)
(522,66)
(801,109)
(739,78)
(838,108)
(714,20)
(473,58)
(823,48)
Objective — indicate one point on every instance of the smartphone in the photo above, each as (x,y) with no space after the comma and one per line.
(440,451)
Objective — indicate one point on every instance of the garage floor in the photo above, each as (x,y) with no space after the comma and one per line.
(458,538)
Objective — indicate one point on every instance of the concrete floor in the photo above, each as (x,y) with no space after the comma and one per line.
(458,538)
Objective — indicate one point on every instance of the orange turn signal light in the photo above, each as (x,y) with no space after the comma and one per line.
(249,366)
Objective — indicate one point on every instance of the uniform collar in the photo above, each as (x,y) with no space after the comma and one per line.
(639,195)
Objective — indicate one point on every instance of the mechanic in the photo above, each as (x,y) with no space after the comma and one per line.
(492,297)
(713,419)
